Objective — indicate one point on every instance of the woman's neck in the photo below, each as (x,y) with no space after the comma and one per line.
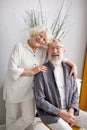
(31,45)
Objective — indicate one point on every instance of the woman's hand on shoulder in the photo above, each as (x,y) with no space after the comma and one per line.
(74,71)
(38,69)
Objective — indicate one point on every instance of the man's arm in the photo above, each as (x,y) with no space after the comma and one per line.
(68,117)
(41,101)
(75,97)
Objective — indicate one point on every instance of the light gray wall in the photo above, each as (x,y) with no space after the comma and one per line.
(12,30)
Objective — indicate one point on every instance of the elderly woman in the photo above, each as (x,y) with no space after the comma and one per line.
(25,61)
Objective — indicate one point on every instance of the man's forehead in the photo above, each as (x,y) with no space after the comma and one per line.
(56,43)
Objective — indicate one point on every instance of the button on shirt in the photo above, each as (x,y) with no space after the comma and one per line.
(59,77)
(20,88)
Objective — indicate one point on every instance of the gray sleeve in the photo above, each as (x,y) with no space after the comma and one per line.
(41,101)
(75,96)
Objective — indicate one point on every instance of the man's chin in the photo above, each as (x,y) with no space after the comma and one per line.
(55,58)
(55,61)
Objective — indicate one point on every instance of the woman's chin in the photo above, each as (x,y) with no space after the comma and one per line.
(39,45)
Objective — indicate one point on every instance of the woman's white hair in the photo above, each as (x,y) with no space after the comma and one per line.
(38,29)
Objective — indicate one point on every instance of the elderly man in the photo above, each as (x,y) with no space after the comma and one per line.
(57,94)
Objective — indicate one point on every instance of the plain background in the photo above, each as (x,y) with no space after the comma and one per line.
(12,28)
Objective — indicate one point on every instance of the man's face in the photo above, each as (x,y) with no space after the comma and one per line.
(55,51)
(39,39)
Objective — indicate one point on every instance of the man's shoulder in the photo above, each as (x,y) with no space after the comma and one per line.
(66,69)
(47,64)
(66,65)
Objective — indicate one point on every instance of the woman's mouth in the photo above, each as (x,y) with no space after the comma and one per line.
(38,41)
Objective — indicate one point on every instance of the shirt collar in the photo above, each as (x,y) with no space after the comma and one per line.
(52,66)
(26,45)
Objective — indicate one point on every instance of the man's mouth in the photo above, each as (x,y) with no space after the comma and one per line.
(55,55)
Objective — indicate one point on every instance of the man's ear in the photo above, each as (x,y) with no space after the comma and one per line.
(64,51)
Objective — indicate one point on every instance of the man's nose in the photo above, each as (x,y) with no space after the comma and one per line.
(55,50)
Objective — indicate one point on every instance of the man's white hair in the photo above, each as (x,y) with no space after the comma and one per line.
(38,29)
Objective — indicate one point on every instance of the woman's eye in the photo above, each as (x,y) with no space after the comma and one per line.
(44,39)
(41,36)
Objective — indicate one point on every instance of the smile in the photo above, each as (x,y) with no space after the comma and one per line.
(38,41)
(55,55)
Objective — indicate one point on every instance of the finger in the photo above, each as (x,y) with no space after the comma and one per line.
(71,73)
(73,117)
(43,69)
(72,125)
(72,122)
(44,66)
(74,77)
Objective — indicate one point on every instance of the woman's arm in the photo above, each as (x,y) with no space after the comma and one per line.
(14,67)
(34,71)
(73,70)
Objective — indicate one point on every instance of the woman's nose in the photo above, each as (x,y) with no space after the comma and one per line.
(41,39)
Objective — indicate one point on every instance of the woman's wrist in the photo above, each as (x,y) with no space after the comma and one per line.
(27,72)
(74,66)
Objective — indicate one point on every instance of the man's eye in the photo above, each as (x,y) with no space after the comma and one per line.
(44,39)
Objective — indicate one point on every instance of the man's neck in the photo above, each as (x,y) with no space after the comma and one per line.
(56,63)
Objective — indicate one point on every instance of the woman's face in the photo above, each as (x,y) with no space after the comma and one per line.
(39,39)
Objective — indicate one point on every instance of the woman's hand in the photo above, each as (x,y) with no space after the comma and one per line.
(38,69)
(34,71)
(74,71)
